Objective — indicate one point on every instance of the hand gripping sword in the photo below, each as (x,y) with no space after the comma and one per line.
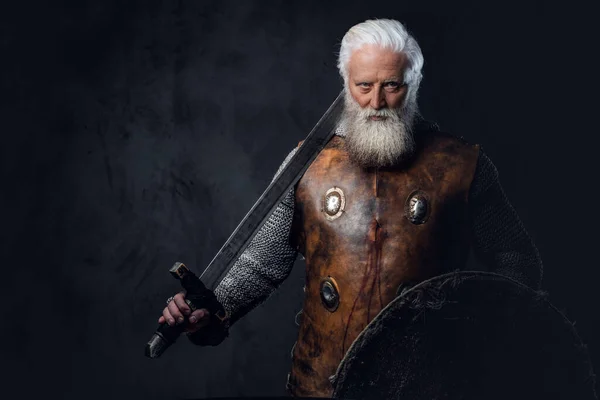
(199,291)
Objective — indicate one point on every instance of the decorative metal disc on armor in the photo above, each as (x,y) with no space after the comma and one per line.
(334,202)
(417,207)
(330,296)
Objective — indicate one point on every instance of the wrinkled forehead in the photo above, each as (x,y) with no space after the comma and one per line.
(376,61)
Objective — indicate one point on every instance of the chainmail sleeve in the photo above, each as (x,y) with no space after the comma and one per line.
(500,241)
(262,267)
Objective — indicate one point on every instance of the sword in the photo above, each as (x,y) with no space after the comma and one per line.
(199,292)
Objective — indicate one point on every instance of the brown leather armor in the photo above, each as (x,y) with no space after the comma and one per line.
(372,247)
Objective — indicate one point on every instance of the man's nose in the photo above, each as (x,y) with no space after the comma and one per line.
(377,99)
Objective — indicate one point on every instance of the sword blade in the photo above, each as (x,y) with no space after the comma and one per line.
(273,195)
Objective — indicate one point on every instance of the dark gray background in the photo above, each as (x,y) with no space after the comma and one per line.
(135,134)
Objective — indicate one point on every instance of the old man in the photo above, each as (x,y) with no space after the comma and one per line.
(390,201)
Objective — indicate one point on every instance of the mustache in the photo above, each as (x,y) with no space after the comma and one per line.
(371,112)
(368,112)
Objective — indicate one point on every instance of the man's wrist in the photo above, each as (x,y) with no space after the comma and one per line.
(212,334)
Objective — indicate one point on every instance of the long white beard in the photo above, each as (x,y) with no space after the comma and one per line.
(382,143)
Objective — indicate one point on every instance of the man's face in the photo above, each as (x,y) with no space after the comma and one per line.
(378,117)
(375,77)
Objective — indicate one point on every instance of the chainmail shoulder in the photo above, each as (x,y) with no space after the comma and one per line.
(500,241)
(266,262)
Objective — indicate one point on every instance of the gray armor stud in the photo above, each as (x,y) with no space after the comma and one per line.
(417,207)
(334,203)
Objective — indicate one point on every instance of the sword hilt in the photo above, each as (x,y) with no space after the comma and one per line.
(197,296)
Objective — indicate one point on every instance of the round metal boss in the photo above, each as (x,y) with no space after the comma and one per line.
(417,207)
(334,203)
(330,296)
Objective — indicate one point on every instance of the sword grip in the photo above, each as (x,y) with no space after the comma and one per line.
(197,296)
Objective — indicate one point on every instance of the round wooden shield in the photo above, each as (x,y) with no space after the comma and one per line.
(467,335)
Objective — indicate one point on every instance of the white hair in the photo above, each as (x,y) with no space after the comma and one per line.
(388,34)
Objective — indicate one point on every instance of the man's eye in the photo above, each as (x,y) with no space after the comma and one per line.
(392,85)
(363,85)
